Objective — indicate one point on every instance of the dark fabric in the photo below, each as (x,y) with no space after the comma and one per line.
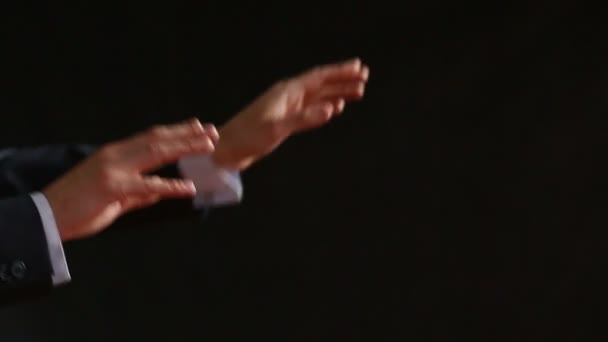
(30,169)
(22,239)
(25,268)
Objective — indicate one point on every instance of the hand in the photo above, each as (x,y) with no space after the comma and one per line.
(112,181)
(304,102)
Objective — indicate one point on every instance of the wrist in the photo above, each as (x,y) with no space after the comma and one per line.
(227,153)
(56,204)
(243,141)
(234,149)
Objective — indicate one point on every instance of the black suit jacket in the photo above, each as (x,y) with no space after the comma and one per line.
(25,268)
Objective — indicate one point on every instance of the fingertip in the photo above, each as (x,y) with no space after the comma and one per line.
(349,65)
(360,91)
(355,91)
(365,73)
(208,126)
(203,144)
(210,145)
(189,186)
(355,60)
(356,64)
(339,106)
(327,111)
(211,131)
(195,123)
(180,188)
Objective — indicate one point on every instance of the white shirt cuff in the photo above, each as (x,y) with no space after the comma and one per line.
(215,186)
(61,274)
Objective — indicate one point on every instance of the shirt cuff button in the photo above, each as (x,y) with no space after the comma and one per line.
(18,269)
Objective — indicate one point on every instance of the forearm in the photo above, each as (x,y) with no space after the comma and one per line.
(49,191)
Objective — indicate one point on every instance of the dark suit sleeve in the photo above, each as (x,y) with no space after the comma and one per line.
(25,268)
(26,170)
(31,169)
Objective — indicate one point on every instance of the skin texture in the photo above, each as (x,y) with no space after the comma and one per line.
(301,103)
(114,180)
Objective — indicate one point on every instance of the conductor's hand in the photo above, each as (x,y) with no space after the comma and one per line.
(113,180)
(303,102)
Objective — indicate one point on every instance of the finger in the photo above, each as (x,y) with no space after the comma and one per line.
(364,73)
(324,111)
(188,128)
(155,154)
(316,115)
(338,106)
(154,186)
(360,74)
(349,70)
(346,91)
(138,202)
(211,132)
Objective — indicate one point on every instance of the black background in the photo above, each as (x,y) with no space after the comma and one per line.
(465,197)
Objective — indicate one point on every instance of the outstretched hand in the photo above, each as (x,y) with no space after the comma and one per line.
(113,180)
(304,102)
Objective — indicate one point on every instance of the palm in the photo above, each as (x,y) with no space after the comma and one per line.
(304,102)
(312,98)
(117,177)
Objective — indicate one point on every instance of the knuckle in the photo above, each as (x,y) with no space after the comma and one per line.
(154,184)
(158,151)
(155,148)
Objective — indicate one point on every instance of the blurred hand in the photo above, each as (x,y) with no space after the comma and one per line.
(113,181)
(304,102)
